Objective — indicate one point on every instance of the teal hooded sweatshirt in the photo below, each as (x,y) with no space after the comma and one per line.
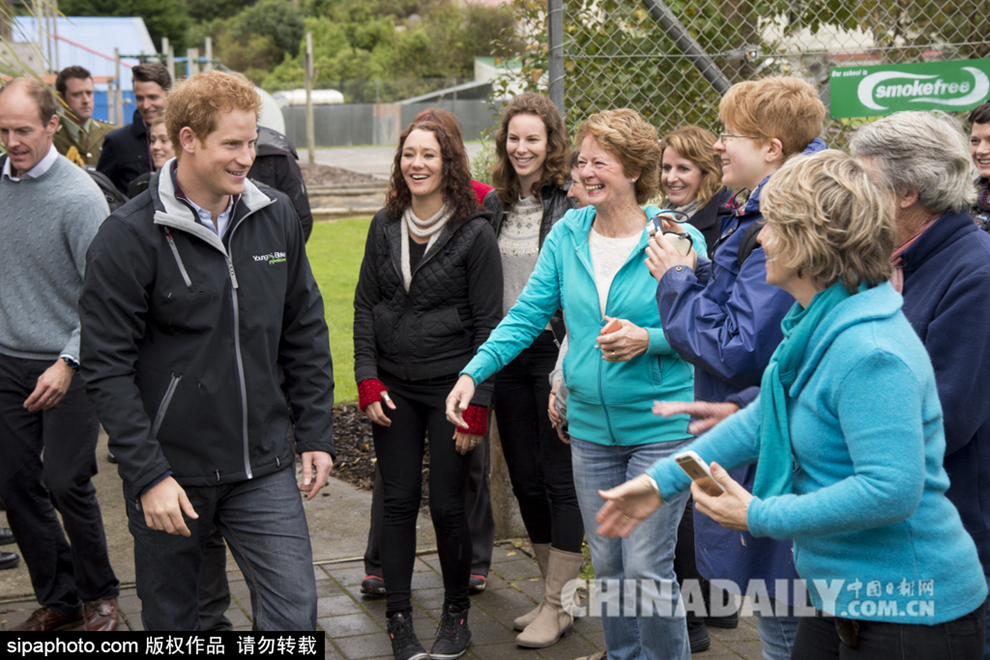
(607,402)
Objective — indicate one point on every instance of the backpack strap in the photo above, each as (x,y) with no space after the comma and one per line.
(749,242)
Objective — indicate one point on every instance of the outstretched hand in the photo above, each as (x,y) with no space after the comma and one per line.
(626,506)
(458,401)
(705,413)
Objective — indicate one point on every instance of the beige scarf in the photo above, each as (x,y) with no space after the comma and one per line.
(421,228)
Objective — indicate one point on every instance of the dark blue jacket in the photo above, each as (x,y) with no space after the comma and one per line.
(726,322)
(126,154)
(947,300)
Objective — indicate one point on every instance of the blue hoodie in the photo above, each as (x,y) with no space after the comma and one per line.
(868,506)
(608,402)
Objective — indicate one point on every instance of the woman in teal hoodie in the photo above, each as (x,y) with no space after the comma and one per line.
(593,266)
(848,432)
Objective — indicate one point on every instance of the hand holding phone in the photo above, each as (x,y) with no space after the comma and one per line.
(697,469)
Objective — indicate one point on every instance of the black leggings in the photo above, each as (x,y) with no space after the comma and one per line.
(420,414)
(539,463)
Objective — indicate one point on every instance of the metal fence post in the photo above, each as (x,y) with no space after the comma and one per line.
(555,36)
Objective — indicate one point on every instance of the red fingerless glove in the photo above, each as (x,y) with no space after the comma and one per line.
(369,391)
(477,420)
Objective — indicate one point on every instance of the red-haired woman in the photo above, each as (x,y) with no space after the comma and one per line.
(429,293)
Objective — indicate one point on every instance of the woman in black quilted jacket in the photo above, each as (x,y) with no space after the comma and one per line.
(429,293)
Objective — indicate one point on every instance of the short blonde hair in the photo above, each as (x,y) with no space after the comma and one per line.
(695,144)
(198,101)
(830,219)
(633,141)
(780,107)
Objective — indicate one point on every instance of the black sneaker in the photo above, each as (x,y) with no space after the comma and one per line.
(476,584)
(405,644)
(372,585)
(453,634)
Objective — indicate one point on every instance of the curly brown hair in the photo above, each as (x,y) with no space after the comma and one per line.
(556,167)
(199,101)
(830,220)
(633,141)
(458,195)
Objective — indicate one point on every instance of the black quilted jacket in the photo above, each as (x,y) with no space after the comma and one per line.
(454,302)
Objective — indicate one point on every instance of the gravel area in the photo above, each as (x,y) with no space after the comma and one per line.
(318,176)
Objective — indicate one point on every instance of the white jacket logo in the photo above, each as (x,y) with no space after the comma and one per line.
(920,88)
(272,257)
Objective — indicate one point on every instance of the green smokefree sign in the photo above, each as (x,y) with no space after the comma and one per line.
(873,91)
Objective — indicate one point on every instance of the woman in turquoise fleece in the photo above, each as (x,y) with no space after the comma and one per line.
(592,265)
(848,433)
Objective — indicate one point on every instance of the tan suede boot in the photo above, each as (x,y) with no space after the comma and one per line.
(552,622)
(542,552)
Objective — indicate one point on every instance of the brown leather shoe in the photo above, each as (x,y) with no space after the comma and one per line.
(101,615)
(45,619)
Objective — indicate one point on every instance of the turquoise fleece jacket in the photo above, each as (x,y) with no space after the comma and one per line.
(874,535)
(607,402)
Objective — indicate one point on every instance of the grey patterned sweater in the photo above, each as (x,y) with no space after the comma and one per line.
(46,225)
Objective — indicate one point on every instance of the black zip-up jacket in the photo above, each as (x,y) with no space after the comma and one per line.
(275,166)
(182,332)
(453,304)
(555,204)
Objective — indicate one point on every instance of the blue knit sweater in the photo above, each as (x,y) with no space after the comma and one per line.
(868,506)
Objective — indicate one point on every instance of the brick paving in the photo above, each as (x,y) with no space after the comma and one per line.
(354,625)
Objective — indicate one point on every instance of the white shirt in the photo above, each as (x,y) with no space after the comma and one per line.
(207,218)
(43,166)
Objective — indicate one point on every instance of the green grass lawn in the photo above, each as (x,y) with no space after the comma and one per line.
(335,251)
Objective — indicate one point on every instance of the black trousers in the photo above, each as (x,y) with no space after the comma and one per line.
(959,639)
(539,463)
(420,413)
(479,514)
(63,576)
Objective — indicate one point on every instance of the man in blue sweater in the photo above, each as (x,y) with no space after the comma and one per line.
(52,210)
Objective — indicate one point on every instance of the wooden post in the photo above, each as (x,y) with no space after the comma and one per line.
(192,61)
(310,124)
(170,61)
(118,96)
(208,53)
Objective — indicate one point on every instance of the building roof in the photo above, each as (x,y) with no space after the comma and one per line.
(89,41)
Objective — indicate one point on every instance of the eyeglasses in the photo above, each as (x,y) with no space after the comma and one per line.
(722,136)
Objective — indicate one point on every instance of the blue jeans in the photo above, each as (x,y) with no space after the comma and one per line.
(647,555)
(264,525)
(777,634)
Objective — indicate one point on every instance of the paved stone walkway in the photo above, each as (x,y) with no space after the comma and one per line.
(354,625)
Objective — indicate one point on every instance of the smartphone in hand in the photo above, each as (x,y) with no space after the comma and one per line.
(697,469)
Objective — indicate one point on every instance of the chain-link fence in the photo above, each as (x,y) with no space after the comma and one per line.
(672,61)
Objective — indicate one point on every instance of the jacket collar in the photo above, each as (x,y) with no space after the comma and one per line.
(137,125)
(940,236)
(753,203)
(172,213)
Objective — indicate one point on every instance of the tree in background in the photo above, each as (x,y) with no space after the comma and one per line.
(164,18)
